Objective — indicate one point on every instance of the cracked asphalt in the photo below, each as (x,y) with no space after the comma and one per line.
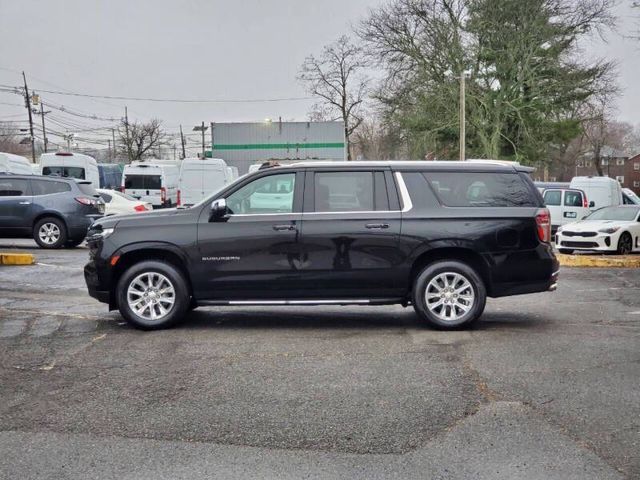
(545,387)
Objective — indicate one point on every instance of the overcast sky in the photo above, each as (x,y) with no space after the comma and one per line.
(198,49)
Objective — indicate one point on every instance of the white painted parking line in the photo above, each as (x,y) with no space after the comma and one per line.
(44,326)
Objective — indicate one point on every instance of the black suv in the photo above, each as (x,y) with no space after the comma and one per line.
(441,236)
(56,212)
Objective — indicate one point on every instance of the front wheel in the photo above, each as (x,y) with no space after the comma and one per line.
(449,294)
(625,244)
(152,295)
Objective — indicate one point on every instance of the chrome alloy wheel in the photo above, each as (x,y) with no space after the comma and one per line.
(49,233)
(151,296)
(449,296)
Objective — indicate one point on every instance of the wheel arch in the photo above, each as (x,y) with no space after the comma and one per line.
(46,214)
(132,254)
(461,254)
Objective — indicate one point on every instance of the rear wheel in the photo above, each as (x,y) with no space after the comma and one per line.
(449,294)
(50,232)
(625,244)
(152,295)
(565,251)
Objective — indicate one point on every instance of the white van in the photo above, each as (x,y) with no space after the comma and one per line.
(600,191)
(233,173)
(200,177)
(565,205)
(152,181)
(10,163)
(70,165)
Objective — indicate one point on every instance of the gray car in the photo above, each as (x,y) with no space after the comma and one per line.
(55,212)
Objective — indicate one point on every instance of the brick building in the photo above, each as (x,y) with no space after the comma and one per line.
(615,164)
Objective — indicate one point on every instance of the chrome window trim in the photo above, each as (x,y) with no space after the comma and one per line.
(407,205)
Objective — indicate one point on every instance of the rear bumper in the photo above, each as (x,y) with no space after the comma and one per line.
(536,271)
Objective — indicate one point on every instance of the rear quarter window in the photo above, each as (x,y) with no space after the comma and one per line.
(44,187)
(481,189)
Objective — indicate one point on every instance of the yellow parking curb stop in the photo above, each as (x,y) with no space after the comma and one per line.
(17,259)
(599,261)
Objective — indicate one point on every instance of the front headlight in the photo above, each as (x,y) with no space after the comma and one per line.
(559,229)
(609,230)
(106,232)
(99,233)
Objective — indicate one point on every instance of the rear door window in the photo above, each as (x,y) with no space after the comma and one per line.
(344,191)
(422,197)
(65,172)
(552,198)
(13,187)
(45,187)
(481,189)
(106,197)
(572,199)
(143,182)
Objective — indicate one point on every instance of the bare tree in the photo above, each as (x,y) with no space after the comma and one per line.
(138,140)
(10,139)
(337,78)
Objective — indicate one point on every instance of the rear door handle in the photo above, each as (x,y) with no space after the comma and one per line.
(280,228)
(377,225)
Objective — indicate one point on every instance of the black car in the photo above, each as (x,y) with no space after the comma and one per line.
(56,212)
(441,236)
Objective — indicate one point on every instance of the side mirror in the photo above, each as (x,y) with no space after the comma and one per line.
(218,210)
(592,204)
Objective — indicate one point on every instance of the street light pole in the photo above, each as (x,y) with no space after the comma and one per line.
(463,132)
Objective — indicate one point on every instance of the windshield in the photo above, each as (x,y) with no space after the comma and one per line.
(124,195)
(67,172)
(625,214)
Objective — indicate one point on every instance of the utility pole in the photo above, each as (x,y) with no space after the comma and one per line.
(212,140)
(463,133)
(126,129)
(109,147)
(203,156)
(115,149)
(28,102)
(44,130)
(184,155)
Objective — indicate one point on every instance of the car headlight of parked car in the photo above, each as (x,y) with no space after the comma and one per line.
(609,230)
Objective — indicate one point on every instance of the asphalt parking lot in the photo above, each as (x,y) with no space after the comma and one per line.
(546,386)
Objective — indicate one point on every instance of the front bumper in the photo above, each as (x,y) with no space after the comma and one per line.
(603,242)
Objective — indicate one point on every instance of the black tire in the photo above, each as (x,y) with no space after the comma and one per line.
(153,268)
(73,243)
(446,270)
(565,251)
(50,232)
(625,244)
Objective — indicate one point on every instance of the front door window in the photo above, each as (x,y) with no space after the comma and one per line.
(272,194)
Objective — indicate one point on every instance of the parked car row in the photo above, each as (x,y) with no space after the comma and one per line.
(162,183)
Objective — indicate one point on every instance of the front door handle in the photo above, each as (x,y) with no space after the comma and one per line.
(377,225)
(25,203)
(280,228)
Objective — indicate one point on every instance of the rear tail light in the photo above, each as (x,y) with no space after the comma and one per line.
(585,202)
(543,225)
(121,189)
(178,200)
(86,201)
(140,208)
(163,194)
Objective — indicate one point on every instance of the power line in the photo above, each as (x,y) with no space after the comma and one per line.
(174,100)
